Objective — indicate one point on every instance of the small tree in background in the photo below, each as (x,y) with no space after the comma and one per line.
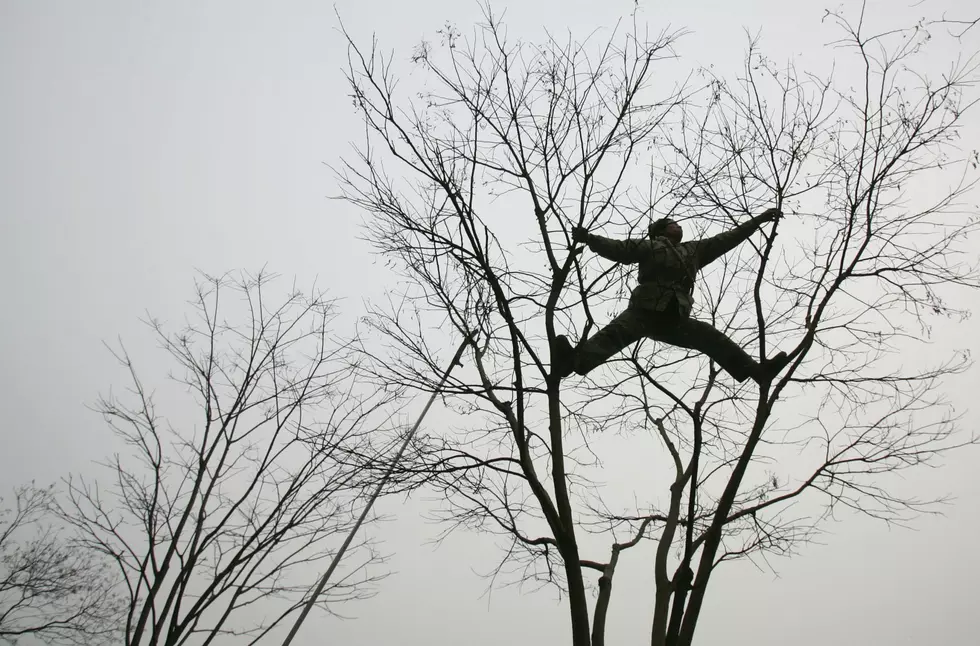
(49,589)
(222,515)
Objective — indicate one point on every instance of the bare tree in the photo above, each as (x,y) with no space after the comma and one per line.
(223,513)
(49,590)
(566,133)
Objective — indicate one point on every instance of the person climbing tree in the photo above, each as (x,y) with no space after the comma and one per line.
(660,305)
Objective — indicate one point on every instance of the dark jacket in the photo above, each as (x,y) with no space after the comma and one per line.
(668,271)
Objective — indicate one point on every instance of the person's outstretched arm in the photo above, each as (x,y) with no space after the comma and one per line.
(623,251)
(713,248)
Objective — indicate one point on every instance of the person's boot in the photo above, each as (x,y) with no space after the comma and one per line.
(562,357)
(771,367)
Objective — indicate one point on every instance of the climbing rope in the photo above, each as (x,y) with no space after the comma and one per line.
(374,496)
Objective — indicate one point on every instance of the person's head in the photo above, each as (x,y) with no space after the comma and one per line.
(667,228)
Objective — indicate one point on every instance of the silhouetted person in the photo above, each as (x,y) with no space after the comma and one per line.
(660,306)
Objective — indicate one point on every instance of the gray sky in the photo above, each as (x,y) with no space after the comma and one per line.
(142,141)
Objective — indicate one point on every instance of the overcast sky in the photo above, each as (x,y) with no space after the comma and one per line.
(140,142)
